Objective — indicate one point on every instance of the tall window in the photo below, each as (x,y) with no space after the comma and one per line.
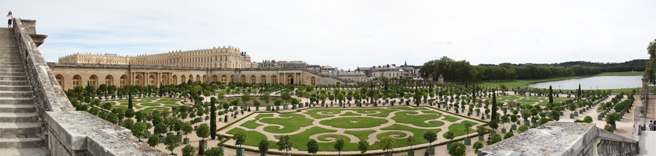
(313,81)
(253,79)
(92,80)
(263,79)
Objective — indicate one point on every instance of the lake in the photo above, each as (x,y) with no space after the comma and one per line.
(595,82)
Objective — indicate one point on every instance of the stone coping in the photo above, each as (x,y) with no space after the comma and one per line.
(555,138)
(81,131)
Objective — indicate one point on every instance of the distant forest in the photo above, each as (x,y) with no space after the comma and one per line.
(462,71)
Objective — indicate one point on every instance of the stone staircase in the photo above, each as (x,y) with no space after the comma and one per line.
(19,128)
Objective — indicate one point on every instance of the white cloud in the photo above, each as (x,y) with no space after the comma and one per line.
(347,34)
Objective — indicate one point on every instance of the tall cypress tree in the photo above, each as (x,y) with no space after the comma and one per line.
(213,118)
(129,97)
(578,93)
(494,106)
(550,94)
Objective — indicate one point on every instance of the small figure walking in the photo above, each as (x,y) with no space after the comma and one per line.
(11,18)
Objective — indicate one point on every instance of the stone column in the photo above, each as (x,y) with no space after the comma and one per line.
(147,75)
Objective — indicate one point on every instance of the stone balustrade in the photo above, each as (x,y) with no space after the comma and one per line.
(68,132)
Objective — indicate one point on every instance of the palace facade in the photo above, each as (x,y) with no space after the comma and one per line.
(222,57)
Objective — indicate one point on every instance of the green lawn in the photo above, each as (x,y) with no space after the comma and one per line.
(417,120)
(290,124)
(253,138)
(363,135)
(354,122)
(458,129)
(406,108)
(330,112)
(418,133)
(251,123)
(450,118)
(349,114)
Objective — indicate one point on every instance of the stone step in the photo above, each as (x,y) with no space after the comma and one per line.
(5,65)
(3,77)
(13,82)
(23,151)
(14,87)
(21,141)
(15,93)
(24,108)
(13,73)
(19,128)
(12,70)
(16,101)
(18,117)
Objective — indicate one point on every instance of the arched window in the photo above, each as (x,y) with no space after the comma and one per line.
(224,79)
(263,79)
(137,80)
(108,80)
(243,79)
(253,79)
(93,81)
(60,80)
(313,81)
(76,80)
(274,79)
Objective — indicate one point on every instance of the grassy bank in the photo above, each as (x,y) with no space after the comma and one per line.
(521,83)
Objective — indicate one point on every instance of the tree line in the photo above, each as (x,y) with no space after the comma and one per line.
(463,71)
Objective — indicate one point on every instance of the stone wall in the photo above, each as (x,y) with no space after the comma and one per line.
(68,132)
(65,74)
(565,139)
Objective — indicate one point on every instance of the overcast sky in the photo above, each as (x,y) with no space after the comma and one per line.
(350,33)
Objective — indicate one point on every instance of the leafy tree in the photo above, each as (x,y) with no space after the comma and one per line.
(494,139)
(611,118)
(112,118)
(554,115)
(266,97)
(477,145)
(129,113)
(430,136)
(214,151)
(339,145)
(650,68)
(240,138)
(313,146)
(186,128)
(387,143)
(171,142)
(493,124)
(153,140)
(508,135)
(411,141)
(458,149)
(128,123)
(139,130)
(203,131)
(587,119)
(188,150)
(522,128)
(363,146)
(449,135)
(264,146)
(467,129)
(284,143)
(245,98)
